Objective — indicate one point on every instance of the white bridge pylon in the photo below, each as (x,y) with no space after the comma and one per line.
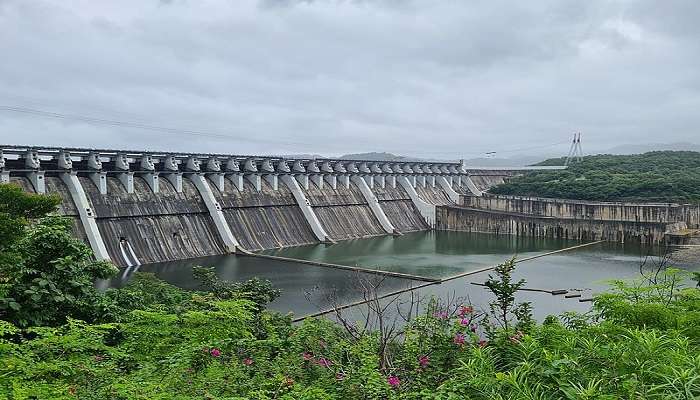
(575,151)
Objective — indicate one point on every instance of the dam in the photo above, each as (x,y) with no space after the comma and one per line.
(407,223)
(138,207)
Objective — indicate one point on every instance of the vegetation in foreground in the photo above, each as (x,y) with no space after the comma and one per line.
(659,176)
(61,339)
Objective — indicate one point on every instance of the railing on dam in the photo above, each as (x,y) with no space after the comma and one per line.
(136,207)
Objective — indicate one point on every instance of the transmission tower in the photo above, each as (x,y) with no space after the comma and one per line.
(575,151)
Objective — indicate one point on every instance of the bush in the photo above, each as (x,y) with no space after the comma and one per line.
(151,340)
(209,349)
(46,275)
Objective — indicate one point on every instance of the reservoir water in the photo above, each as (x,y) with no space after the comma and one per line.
(437,254)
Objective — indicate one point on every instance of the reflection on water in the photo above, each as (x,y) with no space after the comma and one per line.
(304,288)
(433,254)
(307,288)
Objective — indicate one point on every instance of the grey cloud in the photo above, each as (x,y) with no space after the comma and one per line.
(422,77)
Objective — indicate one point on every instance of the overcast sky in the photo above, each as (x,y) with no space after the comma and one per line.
(439,79)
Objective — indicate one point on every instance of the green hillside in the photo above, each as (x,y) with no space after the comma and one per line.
(663,176)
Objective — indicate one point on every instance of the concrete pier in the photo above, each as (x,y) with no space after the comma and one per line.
(374,205)
(215,211)
(306,209)
(426,210)
(87,216)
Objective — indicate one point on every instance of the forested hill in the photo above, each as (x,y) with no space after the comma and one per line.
(658,176)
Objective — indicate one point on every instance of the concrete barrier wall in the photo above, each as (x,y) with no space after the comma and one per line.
(586,210)
(497,222)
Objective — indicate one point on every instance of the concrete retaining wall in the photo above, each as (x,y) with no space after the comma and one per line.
(588,210)
(497,222)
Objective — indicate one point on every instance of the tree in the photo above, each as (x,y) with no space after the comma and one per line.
(46,275)
(504,310)
(16,210)
(259,291)
(655,176)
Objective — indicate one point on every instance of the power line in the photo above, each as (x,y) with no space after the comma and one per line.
(127,124)
(199,133)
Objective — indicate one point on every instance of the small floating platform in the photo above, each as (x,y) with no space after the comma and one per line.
(552,292)
(572,295)
(586,300)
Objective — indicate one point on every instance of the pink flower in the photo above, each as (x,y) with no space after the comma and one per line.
(423,361)
(394,381)
(307,356)
(458,339)
(215,352)
(248,361)
(464,310)
(473,328)
(440,314)
(464,321)
(339,376)
(324,362)
(483,343)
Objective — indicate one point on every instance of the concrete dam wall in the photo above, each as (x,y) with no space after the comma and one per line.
(343,211)
(399,208)
(503,223)
(142,207)
(484,179)
(582,210)
(263,219)
(570,219)
(67,207)
(144,227)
